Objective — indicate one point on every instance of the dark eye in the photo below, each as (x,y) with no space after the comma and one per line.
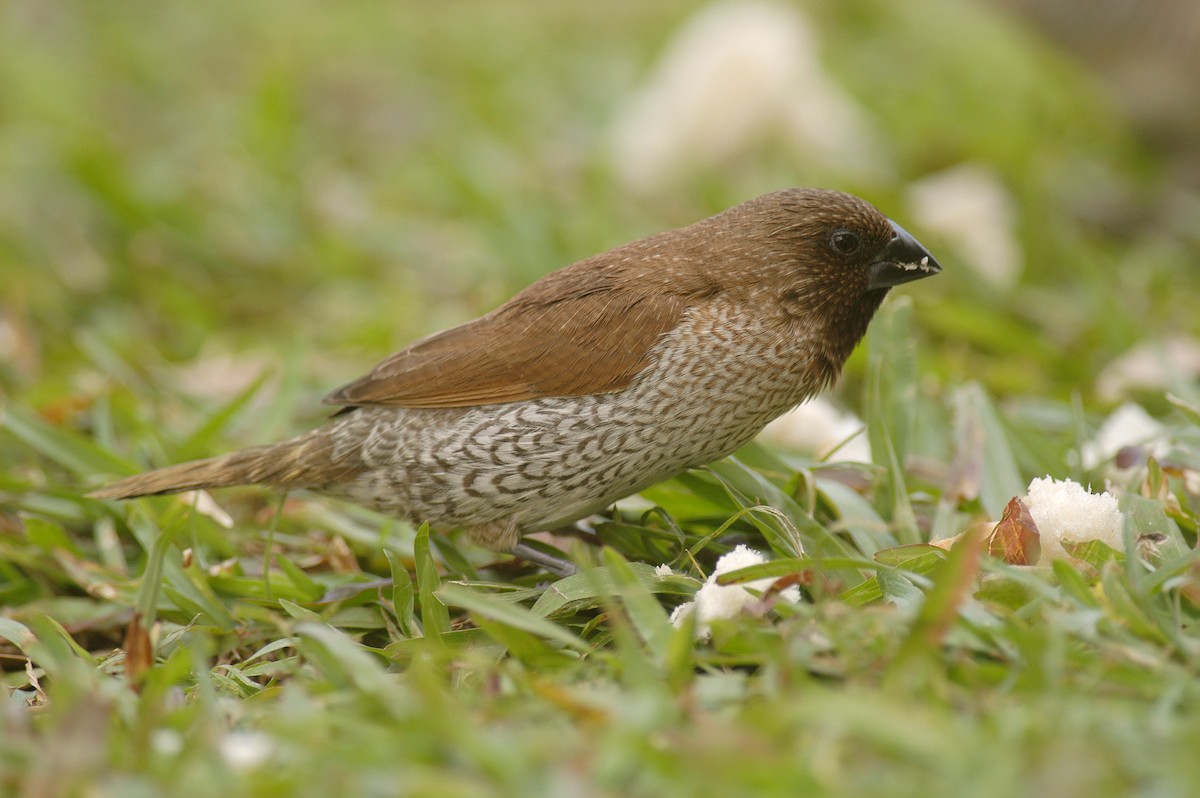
(844,242)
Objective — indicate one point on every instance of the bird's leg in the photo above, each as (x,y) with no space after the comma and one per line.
(555,565)
(505,535)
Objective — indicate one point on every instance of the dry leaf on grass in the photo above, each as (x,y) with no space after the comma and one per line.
(1015,539)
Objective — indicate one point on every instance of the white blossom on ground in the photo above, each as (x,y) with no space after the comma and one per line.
(735,74)
(166,742)
(1064,510)
(969,206)
(243,750)
(222,376)
(818,428)
(715,602)
(206,505)
(1150,366)
(1129,425)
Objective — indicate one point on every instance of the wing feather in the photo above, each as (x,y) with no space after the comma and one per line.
(582,330)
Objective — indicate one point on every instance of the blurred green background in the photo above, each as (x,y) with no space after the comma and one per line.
(196,197)
(192,195)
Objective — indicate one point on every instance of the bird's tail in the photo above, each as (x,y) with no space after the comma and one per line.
(305,462)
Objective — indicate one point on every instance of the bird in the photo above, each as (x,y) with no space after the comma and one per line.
(598,380)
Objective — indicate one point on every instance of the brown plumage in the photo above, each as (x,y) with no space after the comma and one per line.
(599,379)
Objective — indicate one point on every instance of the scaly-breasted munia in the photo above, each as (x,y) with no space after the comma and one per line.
(598,380)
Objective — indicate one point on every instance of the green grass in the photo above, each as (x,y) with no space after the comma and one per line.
(210,215)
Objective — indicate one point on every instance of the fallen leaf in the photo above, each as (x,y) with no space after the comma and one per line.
(1015,540)
(800,579)
(139,653)
(945,544)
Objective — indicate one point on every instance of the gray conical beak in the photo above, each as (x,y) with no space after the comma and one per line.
(901,261)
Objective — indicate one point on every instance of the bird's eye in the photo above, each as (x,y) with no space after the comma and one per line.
(844,242)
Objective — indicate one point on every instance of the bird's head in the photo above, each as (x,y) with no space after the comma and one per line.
(831,241)
(823,258)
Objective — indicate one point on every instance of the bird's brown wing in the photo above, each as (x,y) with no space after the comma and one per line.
(574,332)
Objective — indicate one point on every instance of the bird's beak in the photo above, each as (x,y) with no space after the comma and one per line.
(901,261)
